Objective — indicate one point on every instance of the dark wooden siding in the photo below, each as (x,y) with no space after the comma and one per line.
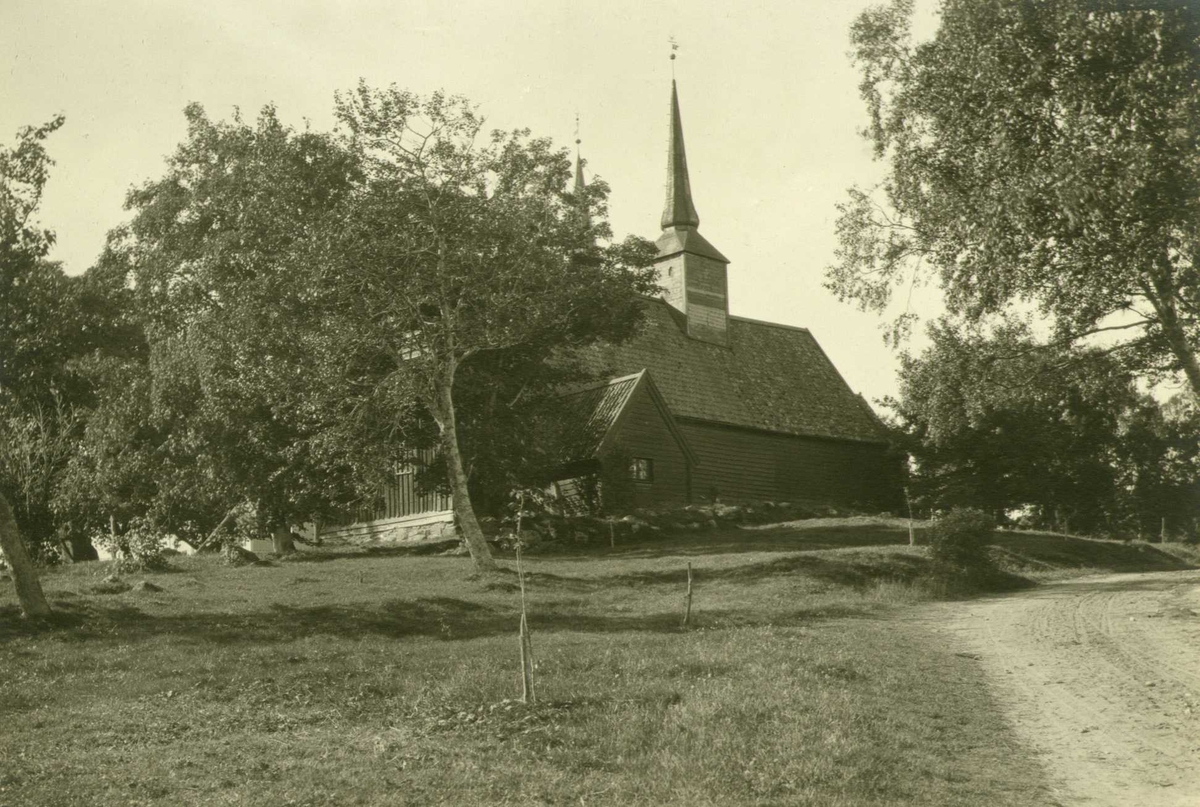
(400,496)
(744,464)
(642,432)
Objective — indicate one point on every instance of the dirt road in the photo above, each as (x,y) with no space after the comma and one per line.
(1102,676)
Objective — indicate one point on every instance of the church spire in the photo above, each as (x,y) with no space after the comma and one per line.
(679,210)
(691,270)
(580,185)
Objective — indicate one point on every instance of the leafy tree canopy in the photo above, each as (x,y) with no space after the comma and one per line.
(47,318)
(50,323)
(1044,153)
(1001,422)
(315,303)
(463,253)
(210,248)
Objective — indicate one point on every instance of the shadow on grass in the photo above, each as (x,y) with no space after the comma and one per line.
(1020,551)
(451,618)
(454,618)
(325,554)
(446,618)
(782,538)
(647,546)
(855,571)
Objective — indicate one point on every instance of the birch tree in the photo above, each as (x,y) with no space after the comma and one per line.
(1044,154)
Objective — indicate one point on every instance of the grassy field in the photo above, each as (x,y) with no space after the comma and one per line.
(389,677)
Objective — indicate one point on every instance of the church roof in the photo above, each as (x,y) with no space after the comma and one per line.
(685,239)
(598,409)
(771,377)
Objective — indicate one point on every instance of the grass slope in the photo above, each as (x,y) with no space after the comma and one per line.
(1053,556)
(387,678)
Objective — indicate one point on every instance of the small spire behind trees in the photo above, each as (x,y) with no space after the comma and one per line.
(580,185)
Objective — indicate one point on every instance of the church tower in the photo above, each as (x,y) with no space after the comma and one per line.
(691,271)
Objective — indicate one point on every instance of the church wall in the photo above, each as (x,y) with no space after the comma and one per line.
(670,277)
(744,464)
(698,286)
(642,433)
(707,281)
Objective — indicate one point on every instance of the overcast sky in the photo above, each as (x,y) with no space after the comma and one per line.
(770,108)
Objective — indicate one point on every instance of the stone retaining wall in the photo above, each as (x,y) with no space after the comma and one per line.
(425,527)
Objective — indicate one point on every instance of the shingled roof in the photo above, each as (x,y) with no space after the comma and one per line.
(599,407)
(596,409)
(772,377)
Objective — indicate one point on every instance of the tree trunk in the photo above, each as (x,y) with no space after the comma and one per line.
(463,511)
(80,548)
(1177,338)
(29,590)
(229,516)
(1186,356)
(281,540)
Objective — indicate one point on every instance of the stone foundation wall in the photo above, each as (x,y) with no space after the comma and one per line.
(429,527)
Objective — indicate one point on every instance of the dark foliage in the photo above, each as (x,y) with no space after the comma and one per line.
(958,541)
(1056,436)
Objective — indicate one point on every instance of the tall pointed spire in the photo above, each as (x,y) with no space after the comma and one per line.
(578,160)
(691,270)
(580,185)
(679,210)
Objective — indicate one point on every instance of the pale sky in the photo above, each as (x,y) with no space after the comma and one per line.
(769,99)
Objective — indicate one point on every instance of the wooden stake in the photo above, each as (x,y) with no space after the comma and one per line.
(1162,532)
(687,608)
(526,641)
(911,540)
(612,539)
(527,695)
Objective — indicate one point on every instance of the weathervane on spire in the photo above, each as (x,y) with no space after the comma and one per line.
(577,141)
(674,47)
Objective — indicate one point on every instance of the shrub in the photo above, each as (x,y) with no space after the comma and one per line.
(234,555)
(138,549)
(958,541)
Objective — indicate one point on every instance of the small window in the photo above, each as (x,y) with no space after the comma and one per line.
(641,469)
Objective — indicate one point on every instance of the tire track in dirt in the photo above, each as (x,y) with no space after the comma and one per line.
(1100,675)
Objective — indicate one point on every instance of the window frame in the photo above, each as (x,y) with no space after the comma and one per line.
(641,469)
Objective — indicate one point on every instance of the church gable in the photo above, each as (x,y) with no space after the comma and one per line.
(618,412)
(625,425)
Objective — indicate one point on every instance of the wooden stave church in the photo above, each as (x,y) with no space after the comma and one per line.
(701,405)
